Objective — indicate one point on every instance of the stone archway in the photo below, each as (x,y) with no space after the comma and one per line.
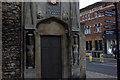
(52,30)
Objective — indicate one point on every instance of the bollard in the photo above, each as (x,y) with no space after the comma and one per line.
(90,57)
(101,58)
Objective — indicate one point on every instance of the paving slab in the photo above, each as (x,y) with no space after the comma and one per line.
(90,74)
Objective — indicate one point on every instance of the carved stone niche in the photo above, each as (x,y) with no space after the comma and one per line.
(75,49)
(30,49)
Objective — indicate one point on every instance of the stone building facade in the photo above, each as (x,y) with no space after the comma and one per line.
(42,40)
(98,41)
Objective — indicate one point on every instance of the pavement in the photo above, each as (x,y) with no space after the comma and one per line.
(90,74)
(93,74)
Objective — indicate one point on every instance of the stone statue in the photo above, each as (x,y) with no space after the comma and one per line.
(75,50)
(30,55)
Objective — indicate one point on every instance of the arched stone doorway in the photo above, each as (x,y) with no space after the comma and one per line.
(51,56)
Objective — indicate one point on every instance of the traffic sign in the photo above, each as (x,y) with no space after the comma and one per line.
(109,32)
(118,12)
(101,11)
(118,19)
(111,26)
(109,12)
(110,15)
(108,21)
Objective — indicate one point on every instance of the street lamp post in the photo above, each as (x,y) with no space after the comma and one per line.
(117,38)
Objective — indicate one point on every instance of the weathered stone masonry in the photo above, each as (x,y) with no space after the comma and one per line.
(18,18)
(11,40)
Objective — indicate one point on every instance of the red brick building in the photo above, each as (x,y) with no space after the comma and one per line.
(98,38)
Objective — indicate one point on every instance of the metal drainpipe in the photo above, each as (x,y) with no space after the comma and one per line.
(117,38)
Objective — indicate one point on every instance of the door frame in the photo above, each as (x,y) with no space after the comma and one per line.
(41,31)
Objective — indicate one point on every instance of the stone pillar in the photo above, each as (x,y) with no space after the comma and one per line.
(93,47)
(82,52)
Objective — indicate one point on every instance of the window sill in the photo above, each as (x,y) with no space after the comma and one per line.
(97,32)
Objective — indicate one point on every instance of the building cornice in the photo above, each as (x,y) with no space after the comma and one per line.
(93,10)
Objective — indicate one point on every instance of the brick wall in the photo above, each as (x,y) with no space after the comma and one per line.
(93,36)
(99,19)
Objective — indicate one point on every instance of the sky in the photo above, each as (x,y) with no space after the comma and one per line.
(84,3)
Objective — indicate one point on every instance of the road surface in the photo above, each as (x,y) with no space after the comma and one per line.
(109,67)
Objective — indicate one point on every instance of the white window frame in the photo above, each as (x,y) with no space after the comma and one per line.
(88,16)
(83,17)
(98,27)
(87,30)
(95,14)
(99,14)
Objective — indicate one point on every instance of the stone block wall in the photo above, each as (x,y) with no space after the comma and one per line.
(11,40)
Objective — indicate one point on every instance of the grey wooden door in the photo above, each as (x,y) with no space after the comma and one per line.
(51,61)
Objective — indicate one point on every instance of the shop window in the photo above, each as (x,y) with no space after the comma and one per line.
(113,42)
